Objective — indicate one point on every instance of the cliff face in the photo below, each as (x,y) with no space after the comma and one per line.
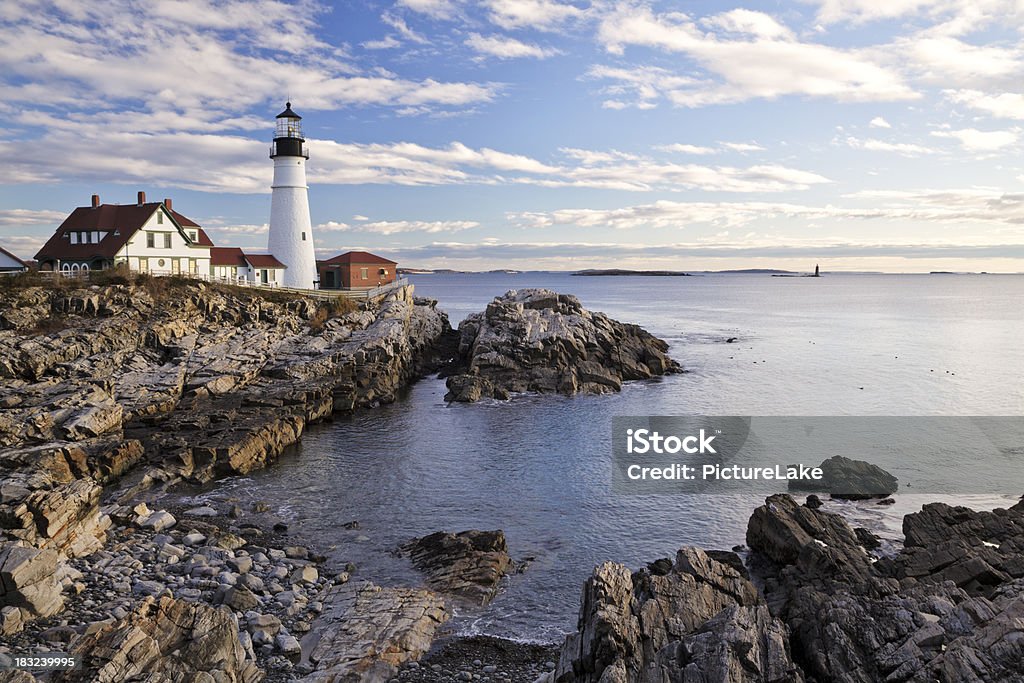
(177,380)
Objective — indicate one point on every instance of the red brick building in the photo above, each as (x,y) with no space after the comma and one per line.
(356,270)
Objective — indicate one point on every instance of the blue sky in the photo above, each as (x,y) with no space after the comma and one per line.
(528,134)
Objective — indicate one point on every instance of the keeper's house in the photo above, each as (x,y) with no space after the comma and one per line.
(9,263)
(146,237)
(231,264)
(356,270)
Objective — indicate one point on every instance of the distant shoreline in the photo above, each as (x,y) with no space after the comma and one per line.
(620,272)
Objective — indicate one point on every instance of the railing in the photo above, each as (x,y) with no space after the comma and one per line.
(363,294)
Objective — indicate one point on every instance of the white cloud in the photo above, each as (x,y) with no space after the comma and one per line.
(688,149)
(398,227)
(197,61)
(504,47)
(27,217)
(748,22)
(742,146)
(439,9)
(760,67)
(954,207)
(1007,105)
(879,122)
(385,43)
(975,140)
(905,148)
(544,15)
(641,86)
(398,23)
(859,11)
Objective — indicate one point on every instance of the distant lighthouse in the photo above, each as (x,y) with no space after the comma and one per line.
(291,233)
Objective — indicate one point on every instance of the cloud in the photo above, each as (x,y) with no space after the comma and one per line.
(439,9)
(543,15)
(507,48)
(879,122)
(639,86)
(397,227)
(745,67)
(905,148)
(688,149)
(860,11)
(742,146)
(198,61)
(385,43)
(957,207)
(398,23)
(974,140)
(748,22)
(23,246)
(30,217)
(1007,105)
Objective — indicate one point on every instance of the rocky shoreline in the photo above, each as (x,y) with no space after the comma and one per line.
(118,392)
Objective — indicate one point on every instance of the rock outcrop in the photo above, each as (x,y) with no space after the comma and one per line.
(536,340)
(948,607)
(468,565)
(702,620)
(856,618)
(168,380)
(371,631)
(166,640)
(849,479)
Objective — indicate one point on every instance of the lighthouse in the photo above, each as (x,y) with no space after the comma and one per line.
(291,233)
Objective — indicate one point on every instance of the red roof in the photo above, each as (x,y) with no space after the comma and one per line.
(351,257)
(7,253)
(263,261)
(121,221)
(227,256)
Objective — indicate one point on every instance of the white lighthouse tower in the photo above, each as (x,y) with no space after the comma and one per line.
(291,233)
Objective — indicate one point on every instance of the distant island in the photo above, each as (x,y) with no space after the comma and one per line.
(617,271)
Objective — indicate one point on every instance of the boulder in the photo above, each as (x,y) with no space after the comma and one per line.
(536,340)
(370,631)
(165,640)
(468,565)
(701,621)
(850,480)
(28,583)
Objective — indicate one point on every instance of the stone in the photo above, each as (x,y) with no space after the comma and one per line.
(371,631)
(305,574)
(287,644)
(165,640)
(850,479)
(469,564)
(536,340)
(158,521)
(28,582)
(201,511)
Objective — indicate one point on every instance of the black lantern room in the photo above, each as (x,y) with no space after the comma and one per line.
(288,140)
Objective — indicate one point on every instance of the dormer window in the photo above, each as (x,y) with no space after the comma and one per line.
(194,236)
(74,237)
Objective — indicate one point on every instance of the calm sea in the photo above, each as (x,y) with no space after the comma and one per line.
(539,467)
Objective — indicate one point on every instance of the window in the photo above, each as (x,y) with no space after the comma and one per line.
(303,237)
(167,240)
(74,237)
(95,237)
(193,235)
(150,240)
(160,217)
(364,273)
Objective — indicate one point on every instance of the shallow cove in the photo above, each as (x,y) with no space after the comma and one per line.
(538,466)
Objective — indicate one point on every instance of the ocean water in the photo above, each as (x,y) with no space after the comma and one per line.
(538,467)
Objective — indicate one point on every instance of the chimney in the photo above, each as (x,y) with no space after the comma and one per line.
(142,198)
(95,201)
(167,203)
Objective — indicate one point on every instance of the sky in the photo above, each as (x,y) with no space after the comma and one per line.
(537,134)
